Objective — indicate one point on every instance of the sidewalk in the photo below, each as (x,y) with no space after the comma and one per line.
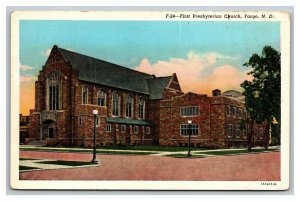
(157,153)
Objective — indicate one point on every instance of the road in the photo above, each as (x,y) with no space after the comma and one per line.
(248,167)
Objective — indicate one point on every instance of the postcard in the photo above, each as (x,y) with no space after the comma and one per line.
(150,100)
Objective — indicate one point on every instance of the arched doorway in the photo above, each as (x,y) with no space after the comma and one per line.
(48,129)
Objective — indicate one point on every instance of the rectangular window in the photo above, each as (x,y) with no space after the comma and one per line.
(238,131)
(136,130)
(184,129)
(85,92)
(80,120)
(227,110)
(123,129)
(147,130)
(240,113)
(108,127)
(101,98)
(244,133)
(189,111)
(97,121)
(261,133)
(229,130)
(245,114)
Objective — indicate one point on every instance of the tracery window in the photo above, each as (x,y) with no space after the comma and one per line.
(54,90)
(141,106)
(115,104)
(101,98)
(129,106)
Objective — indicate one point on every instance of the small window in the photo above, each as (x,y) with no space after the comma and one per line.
(80,120)
(227,110)
(123,129)
(245,114)
(108,127)
(97,121)
(261,133)
(229,130)
(147,130)
(244,133)
(234,111)
(136,129)
(240,113)
(85,92)
(238,131)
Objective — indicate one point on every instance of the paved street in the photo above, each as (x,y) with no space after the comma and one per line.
(248,167)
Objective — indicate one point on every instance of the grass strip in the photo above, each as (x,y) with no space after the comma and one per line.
(236,152)
(67,163)
(147,148)
(86,151)
(21,167)
(220,153)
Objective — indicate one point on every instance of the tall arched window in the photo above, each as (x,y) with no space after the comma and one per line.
(101,98)
(129,106)
(115,104)
(141,102)
(54,91)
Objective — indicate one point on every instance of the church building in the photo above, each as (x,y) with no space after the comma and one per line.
(133,107)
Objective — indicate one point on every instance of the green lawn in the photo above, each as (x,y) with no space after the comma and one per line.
(21,167)
(229,152)
(86,151)
(68,163)
(150,148)
(219,153)
(184,156)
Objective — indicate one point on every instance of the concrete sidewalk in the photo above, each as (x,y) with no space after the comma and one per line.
(157,153)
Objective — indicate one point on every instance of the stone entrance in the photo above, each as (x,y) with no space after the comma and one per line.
(48,129)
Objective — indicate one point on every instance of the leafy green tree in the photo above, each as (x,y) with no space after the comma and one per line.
(262,94)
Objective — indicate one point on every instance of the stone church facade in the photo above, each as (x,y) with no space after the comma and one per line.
(133,107)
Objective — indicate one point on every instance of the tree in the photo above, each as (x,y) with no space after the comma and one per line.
(262,94)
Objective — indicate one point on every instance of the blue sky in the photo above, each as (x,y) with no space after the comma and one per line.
(128,42)
(204,54)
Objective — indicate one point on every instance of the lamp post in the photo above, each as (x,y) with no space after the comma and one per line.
(189,132)
(94,160)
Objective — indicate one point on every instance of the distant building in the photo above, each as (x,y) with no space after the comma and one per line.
(24,128)
(134,107)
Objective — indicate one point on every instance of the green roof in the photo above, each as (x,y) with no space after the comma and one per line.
(119,120)
(109,74)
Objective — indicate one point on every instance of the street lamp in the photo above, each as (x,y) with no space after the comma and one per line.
(94,160)
(189,132)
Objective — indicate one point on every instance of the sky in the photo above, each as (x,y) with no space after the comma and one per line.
(205,55)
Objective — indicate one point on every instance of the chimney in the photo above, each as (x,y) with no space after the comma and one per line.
(216,92)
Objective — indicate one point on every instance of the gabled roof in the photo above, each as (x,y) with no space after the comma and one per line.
(101,72)
(157,85)
(105,73)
